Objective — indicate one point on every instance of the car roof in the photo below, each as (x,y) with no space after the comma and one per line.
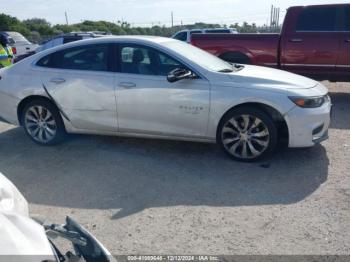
(12,33)
(111,39)
(4,34)
(319,5)
(150,39)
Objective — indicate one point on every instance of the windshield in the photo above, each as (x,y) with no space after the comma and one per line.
(200,57)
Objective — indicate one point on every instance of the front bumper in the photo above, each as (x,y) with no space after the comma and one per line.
(322,138)
(308,126)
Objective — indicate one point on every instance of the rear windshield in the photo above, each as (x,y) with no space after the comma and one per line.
(70,39)
(218,31)
(18,38)
(347,19)
(195,32)
(11,41)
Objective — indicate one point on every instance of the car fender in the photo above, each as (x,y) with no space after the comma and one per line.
(222,106)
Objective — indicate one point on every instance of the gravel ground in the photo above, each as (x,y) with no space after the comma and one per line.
(160,197)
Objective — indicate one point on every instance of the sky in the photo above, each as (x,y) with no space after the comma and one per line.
(152,12)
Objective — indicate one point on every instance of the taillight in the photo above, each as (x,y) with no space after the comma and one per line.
(14,50)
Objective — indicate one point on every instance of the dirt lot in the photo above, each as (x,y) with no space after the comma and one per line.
(159,197)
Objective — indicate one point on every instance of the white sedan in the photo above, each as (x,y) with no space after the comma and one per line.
(162,88)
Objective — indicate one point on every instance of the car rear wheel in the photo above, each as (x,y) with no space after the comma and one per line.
(247,134)
(42,122)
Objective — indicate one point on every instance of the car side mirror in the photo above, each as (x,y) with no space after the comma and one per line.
(179,74)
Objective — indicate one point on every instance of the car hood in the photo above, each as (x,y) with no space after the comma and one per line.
(258,76)
(20,236)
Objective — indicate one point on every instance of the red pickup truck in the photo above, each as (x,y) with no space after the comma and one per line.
(315,41)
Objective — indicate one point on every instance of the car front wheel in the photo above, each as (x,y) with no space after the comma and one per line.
(42,122)
(247,134)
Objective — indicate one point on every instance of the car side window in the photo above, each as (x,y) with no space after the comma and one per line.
(47,61)
(182,36)
(317,19)
(143,60)
(89,57)
(347,19)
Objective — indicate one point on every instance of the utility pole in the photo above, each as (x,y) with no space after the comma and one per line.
(65,13)
(172,19)
(275,17)
(271,15)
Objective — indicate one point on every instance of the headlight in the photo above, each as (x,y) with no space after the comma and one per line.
(309,102)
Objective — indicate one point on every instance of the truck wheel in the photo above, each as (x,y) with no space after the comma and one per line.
(236,57)
(247,134)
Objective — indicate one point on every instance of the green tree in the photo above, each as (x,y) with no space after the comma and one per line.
(37,29)
(10,23)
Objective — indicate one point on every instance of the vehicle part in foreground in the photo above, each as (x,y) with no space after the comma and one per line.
(86,246)
(25,239)
(162,88)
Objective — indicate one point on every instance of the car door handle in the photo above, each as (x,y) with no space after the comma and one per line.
(347,40)
(127,84)
(296,40)
(57,80)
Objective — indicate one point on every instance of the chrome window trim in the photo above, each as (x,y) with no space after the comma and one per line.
(317,65)
(343,66)
(270,64)
(306,31)
(309,65)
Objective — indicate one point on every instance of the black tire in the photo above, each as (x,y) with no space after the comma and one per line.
(30,126)
(227,133)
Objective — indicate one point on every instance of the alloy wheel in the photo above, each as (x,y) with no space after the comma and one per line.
(245,136)
(40,124)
